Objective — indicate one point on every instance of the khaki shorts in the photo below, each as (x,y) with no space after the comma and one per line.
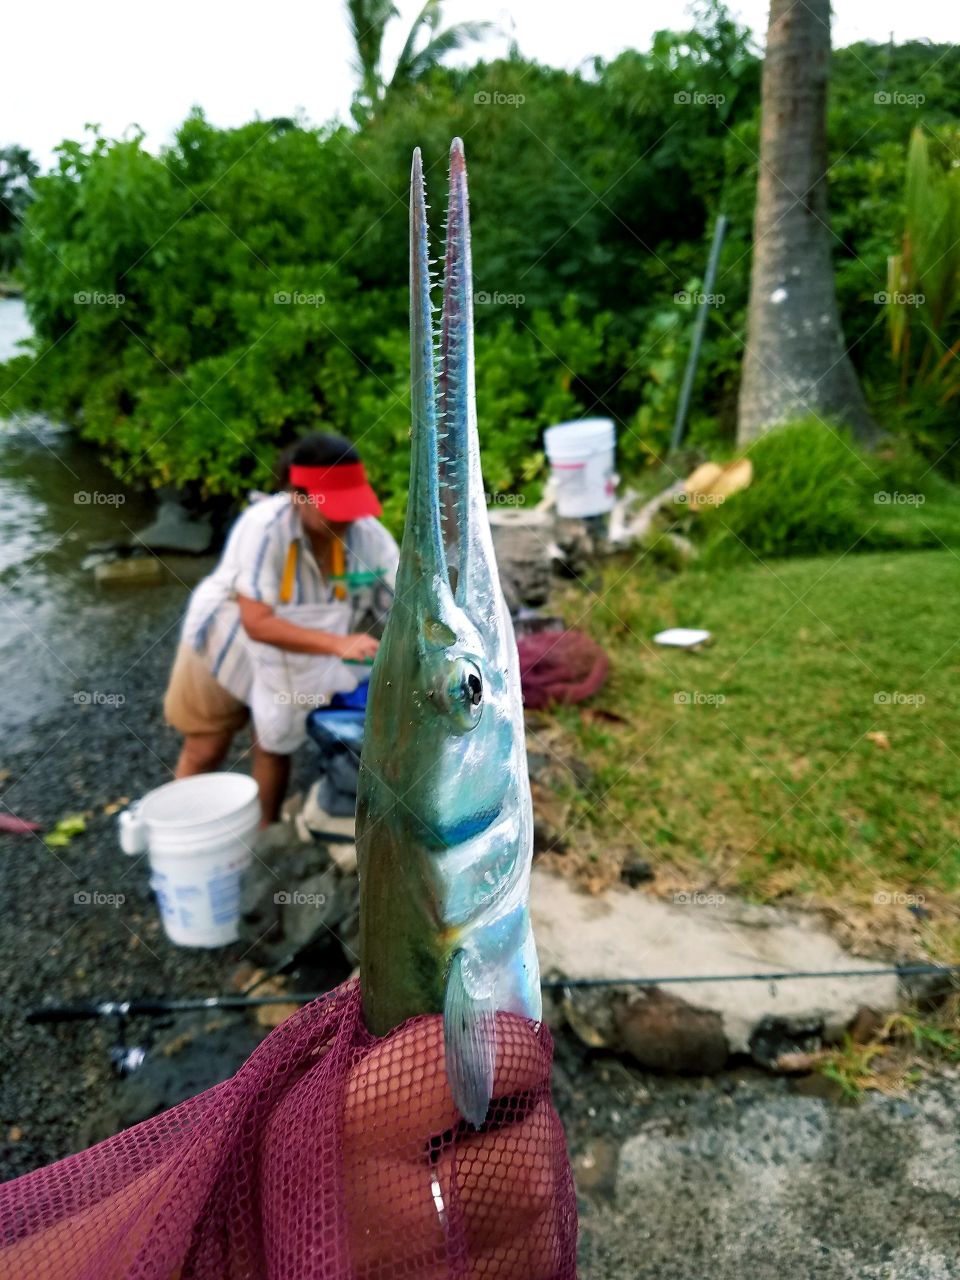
(195,701)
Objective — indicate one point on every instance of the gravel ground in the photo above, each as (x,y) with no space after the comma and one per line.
(738,1175)
(750,1175)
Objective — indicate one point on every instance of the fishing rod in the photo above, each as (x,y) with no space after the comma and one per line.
(160,1006)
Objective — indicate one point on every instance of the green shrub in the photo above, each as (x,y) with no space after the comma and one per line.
(814,491)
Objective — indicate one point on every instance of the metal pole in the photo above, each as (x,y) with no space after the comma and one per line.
(683,404)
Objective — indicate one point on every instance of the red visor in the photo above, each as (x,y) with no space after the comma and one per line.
(341,492)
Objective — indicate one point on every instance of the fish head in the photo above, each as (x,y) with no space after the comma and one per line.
(448,653)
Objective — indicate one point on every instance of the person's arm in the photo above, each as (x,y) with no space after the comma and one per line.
(262,624)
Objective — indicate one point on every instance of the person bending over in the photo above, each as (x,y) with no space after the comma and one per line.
(305,576)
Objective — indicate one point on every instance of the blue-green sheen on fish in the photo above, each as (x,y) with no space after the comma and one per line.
(444,819)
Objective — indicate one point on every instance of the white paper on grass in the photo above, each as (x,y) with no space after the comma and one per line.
(681,637)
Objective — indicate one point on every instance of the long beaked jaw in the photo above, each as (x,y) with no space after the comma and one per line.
(447,506)
(456,397)
(423,534)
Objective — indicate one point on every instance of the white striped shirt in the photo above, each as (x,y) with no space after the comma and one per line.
(253,563)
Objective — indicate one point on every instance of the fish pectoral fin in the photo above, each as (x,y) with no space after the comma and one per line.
(470,1041)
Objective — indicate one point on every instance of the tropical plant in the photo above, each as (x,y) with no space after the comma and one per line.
(923,281)
(424,48)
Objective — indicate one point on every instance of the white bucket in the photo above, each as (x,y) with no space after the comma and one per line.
(198,832)
(581,465)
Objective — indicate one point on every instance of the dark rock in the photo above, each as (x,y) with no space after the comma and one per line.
(866,1026)
(773,1037)
(665,1033)
(524,562)
(577,547)
(315,907)
(292,896)
(595,1170)
(174,529)
(636,871)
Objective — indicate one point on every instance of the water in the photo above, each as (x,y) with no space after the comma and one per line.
(60,633)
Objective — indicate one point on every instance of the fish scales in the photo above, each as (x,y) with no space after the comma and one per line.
(444,818)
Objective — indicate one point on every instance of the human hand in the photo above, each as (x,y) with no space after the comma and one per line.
(416,1176)
(358,647)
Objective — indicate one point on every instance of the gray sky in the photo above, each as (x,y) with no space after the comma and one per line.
(116,62)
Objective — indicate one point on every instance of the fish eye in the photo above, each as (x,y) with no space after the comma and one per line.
(462,692)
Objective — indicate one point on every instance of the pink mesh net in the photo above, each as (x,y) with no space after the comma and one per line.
(329,1154)
(560,666)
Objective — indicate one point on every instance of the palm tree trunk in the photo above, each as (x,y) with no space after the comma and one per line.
(796,362)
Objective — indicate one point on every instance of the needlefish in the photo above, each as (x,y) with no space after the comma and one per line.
(444,818)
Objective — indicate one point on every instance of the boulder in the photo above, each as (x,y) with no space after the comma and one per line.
(293,896)
(626,934)
(523,558)
(173,528)
(665,1033)
(134,569)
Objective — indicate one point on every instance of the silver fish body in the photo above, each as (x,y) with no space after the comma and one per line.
(444,818)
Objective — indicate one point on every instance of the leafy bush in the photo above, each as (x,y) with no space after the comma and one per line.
(813,491)
(593,197)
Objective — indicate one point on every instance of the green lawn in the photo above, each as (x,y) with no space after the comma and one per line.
(748,765)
